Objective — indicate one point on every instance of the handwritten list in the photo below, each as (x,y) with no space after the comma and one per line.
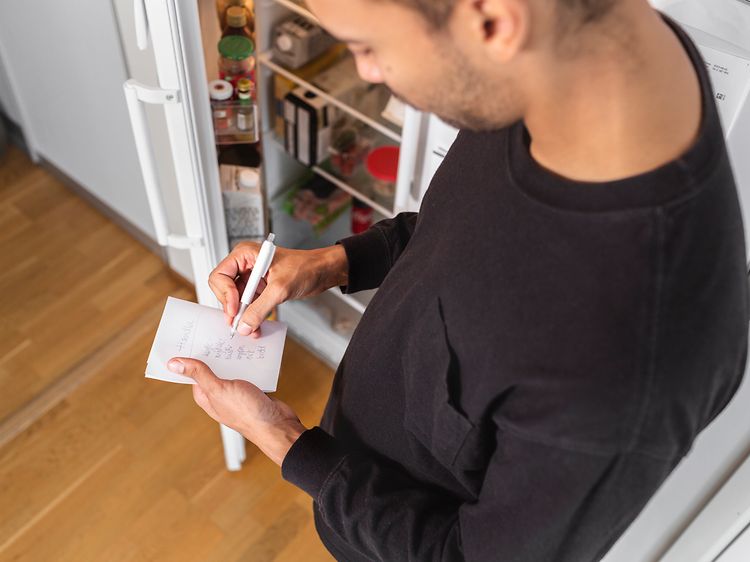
(187,329)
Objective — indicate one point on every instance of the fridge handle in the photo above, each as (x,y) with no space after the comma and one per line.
(135,93)
(141,24)
(407,159)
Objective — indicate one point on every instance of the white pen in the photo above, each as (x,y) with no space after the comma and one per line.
(262,263)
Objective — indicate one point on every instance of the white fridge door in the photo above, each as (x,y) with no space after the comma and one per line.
(173,29)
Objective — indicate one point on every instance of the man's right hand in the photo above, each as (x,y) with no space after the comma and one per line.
(294,274)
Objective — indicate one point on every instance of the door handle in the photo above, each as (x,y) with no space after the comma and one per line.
(141,24)
(135,94)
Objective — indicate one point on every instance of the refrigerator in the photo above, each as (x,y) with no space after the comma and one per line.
(701,511)
(171,51)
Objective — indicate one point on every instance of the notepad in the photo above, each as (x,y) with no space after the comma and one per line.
(200,332)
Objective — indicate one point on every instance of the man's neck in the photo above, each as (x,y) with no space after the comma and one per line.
(616,111)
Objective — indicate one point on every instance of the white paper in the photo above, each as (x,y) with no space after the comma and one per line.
(187,329)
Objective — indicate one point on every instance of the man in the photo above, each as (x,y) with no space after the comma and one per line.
(565,314)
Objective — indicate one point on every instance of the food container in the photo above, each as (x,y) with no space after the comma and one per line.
(348,149)
(382,165)
(236,58)
(220,92)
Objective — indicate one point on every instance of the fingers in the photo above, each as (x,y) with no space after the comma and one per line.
(223,279)
(222,283)
(259,309)
(198,371)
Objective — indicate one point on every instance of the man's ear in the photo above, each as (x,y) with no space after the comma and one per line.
(501,27)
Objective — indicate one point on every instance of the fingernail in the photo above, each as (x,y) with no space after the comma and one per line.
(244,329)
(176,367)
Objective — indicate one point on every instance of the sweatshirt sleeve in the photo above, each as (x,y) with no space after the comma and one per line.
(532,499)
(372,253)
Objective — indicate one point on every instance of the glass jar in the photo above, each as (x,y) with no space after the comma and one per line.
(236,58)
(220,92)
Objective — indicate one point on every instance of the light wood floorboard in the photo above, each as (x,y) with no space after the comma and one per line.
(97,462)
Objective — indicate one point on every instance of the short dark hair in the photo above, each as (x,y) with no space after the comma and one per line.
(438,12)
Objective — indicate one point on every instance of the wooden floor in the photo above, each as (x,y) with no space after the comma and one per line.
(98,463)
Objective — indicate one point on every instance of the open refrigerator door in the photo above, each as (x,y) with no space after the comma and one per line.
(172,30)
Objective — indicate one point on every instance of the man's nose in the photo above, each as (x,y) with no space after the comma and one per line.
(369,71)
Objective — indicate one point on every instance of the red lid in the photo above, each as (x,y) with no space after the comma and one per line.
(382,163)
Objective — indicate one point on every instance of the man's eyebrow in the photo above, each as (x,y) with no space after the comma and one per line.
(348,40)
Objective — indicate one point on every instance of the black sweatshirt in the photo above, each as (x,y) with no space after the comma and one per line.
(540,355)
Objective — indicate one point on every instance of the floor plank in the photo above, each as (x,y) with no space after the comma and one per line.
(97,462)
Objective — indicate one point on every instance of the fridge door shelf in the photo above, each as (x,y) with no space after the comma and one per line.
(235,122)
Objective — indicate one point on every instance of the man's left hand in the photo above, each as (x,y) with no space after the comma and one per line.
(269,423)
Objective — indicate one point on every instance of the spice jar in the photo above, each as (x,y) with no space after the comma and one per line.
(220,92)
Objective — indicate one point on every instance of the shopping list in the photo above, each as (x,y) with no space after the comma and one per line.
(187,329)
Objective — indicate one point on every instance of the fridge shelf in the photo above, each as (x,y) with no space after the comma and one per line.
(299,8)
(356,186)
(358,301)
(323,323)
(376,122)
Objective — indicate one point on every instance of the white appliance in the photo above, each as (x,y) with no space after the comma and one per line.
(703,506)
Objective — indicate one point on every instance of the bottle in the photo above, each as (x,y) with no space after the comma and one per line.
(223,5)
(361,216)
(238,23)
(247,116)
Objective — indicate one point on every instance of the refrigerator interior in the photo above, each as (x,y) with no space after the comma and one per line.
(323,323)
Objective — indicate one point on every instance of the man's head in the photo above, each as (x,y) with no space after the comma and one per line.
(471,62)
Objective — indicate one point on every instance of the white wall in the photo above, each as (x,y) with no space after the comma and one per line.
(8,103)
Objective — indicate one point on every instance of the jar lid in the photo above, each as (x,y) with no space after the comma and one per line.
(236,16)
(248,178)
(244,84)
(382,163)
(220,90)
(236,47)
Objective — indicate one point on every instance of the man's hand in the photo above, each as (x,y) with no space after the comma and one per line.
(269,423)
(294,274)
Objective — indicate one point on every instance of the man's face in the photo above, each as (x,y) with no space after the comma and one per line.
(427,69)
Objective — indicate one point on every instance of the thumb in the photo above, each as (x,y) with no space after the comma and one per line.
(196,370)
(257,311)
